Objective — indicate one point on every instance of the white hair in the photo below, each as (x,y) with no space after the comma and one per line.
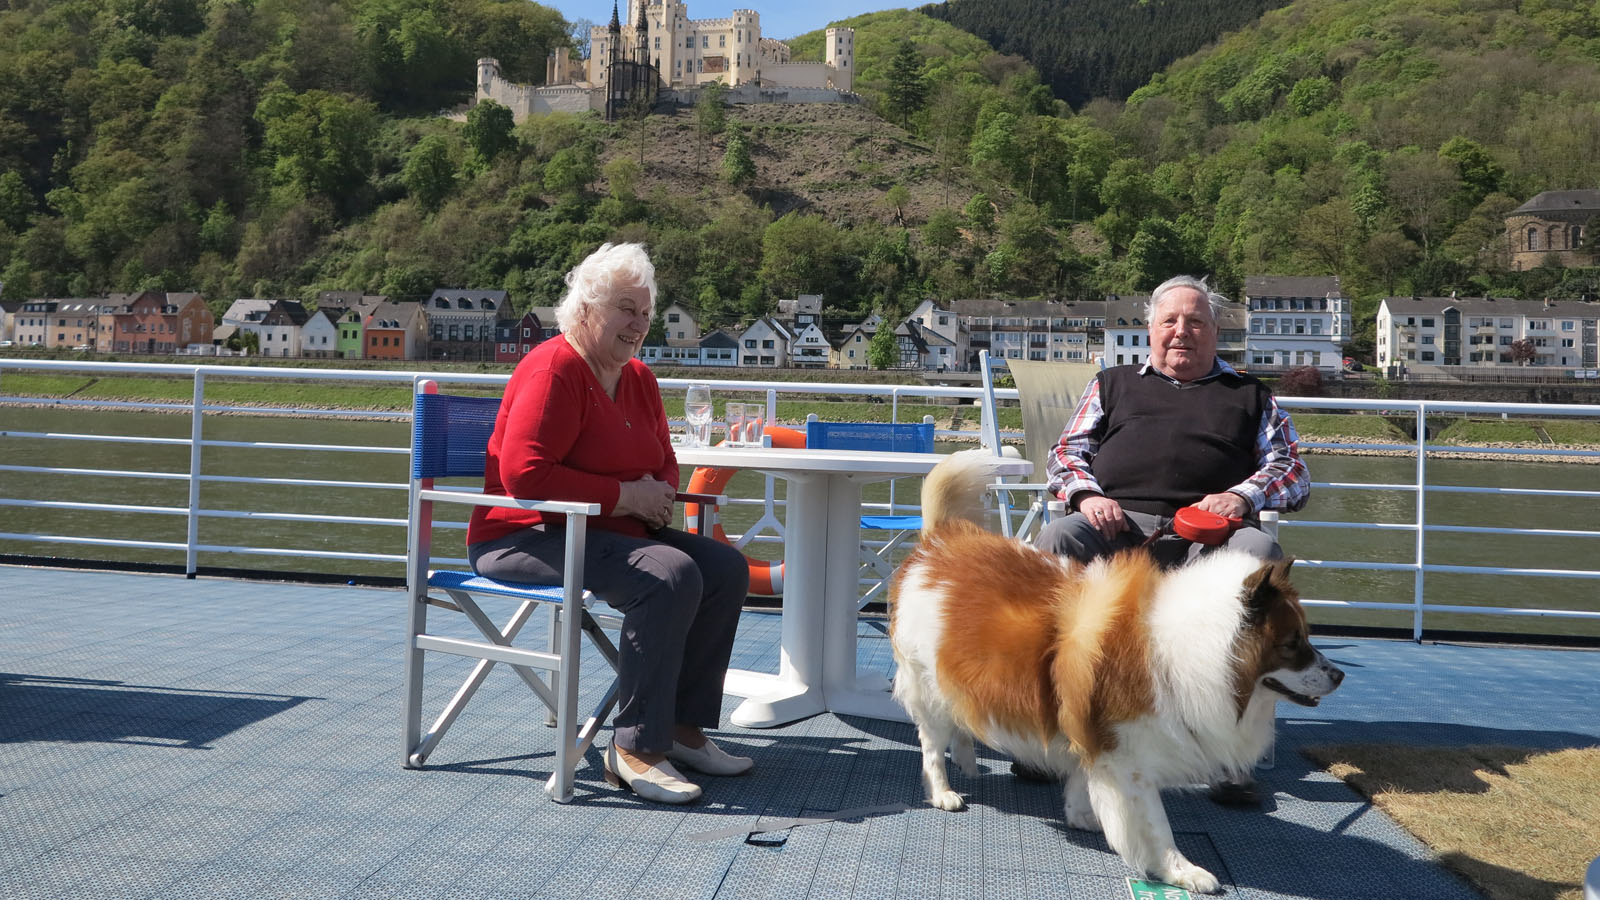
(1184,281)
(598,278)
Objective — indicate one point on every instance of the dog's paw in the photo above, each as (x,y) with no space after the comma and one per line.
(949,801)
(1191,877)
(1083,819)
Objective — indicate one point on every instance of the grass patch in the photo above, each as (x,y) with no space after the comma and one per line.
(1520,824)
(25,384)
(1566,431)
(1330,425)
(1489,431)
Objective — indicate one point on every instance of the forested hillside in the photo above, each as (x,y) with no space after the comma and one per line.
(284,147)
(1086,49)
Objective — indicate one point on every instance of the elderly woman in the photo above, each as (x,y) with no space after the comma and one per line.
(582,420)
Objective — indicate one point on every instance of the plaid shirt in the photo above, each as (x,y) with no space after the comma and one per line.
(1280,480)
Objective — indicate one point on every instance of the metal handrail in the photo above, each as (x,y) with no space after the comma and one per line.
(197,410)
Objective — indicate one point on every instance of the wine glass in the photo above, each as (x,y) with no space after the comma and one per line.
(697,410)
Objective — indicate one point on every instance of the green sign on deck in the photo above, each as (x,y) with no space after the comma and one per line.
(1155,890)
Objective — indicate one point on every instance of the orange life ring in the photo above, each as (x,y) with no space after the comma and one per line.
(766,577)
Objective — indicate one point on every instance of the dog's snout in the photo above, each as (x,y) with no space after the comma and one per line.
(1336,673)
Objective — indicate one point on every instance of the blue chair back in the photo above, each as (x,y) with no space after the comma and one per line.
(905,437)
(450,435)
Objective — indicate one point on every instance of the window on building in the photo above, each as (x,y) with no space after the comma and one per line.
(705,42)
(1533,238)
(767,345)
(1427,339)
(750,344)
(1568,325)
(1427,323)
(722,40)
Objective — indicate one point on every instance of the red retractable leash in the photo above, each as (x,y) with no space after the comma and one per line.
(1195,524)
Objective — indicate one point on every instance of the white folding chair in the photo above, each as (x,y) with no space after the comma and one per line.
(450,435)
(1048,394)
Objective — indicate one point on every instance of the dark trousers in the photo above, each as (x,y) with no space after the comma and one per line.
(679,595)
(1072,536)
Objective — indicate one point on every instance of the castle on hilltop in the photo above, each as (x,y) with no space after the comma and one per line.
(663,55)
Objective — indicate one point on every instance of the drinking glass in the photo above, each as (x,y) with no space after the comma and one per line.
(735,415)
(753,414)
(697,410)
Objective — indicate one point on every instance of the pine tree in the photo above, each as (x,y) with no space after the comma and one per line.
(907,92)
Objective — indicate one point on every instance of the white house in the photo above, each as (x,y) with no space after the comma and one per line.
(1297,321)
(680,326)
(319,336)
(765,344)
(944,331)
(245,314)
(1479,332)
(279,329)
(1127,334)
(810,349)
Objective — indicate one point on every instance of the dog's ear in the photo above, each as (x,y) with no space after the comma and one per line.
(1264,587)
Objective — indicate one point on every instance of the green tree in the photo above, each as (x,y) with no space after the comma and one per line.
(488,132)
(943,230)
(737,166)
(319,143)
(710,118)
(571,170)
(883,351)
(15,201)
(429,175)
(895,199)
(906,91)
(217,231)
(622,178)
(800,255)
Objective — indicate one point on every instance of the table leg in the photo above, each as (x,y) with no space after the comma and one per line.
(848,690)
(796,692)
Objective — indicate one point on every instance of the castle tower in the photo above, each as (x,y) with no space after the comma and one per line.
(746,47)
(641,32)
(840,55)
(488,74)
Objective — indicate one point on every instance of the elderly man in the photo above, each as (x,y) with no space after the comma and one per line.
(1184,429)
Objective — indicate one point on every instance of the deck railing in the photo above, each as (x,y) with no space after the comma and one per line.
(120,519)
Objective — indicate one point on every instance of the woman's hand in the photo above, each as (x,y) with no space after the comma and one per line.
(647,500)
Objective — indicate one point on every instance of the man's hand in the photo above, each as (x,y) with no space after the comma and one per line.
(1104,513)
(1226,504)
(647,500)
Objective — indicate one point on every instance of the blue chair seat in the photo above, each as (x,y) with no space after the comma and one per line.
(892,523)
(451,580)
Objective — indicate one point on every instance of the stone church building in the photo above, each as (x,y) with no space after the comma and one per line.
(1554,222)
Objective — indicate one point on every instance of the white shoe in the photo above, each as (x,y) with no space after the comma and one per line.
(709,759)
(660,783)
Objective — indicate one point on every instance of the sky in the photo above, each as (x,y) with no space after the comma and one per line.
(782,19)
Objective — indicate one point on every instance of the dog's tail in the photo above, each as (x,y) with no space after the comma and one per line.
(955,489)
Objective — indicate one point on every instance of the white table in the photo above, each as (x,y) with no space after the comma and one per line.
(817,671)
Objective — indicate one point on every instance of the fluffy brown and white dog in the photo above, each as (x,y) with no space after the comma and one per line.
(1122,678)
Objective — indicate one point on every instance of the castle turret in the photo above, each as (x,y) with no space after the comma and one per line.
(488,73)
(840,55)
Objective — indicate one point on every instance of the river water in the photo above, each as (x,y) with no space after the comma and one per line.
(1308,543)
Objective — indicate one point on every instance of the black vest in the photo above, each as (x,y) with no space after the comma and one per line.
(1164,446)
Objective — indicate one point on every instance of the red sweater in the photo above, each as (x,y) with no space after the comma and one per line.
(559,437)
